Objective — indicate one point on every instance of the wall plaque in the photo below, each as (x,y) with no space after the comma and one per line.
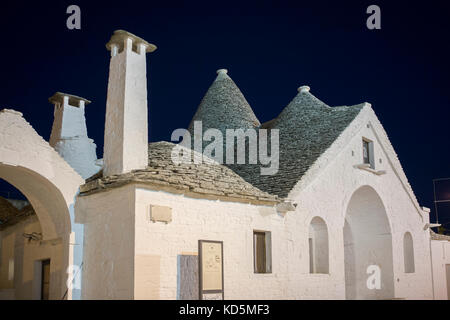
(160,213)
(210,255)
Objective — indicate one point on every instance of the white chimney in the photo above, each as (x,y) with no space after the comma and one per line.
(69,134)
(126,128)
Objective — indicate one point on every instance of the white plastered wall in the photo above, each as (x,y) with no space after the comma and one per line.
(440,250)
(108,257)
(326,190)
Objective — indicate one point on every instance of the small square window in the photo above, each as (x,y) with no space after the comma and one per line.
(262,251)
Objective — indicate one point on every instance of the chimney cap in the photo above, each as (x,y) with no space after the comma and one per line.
(119,37)
(303,89)
(73,100)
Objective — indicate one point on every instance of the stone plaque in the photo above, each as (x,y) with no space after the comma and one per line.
(160,213)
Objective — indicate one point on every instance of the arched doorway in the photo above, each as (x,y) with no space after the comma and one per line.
(32,166)
(367,247)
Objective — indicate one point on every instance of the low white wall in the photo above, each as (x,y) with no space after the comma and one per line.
(440,252)
(108,256)
(232,223)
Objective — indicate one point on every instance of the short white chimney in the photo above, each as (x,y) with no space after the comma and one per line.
(69,134)
(126,128)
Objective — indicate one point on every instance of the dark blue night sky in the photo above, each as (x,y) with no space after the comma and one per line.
(269,47)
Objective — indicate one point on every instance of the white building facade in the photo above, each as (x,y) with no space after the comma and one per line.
(338,220)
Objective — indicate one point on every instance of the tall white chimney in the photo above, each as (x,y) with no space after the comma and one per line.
(126,128)
(69,134)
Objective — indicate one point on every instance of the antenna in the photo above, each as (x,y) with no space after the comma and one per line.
(438,201)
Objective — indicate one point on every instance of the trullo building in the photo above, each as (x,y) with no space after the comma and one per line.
(337,220)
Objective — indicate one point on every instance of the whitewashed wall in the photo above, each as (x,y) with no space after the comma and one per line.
(326,191)
(108,256)
(440,250)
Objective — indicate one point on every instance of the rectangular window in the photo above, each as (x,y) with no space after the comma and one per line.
(262,251)
(368,156)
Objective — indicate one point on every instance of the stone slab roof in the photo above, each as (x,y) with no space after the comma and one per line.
(58,97)
(10,215)
(224,107)
(119,36)
(207,180)
(307,128)
(437,236)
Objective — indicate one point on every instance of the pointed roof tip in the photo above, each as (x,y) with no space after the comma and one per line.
(303,89)
(224,106)
(222,74)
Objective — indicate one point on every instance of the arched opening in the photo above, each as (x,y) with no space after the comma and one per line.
(408,253)
(367,248)
(32,242)
(318,246)
(47,200)
(33,167)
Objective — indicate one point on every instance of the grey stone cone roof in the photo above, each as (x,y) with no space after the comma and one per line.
(224,107)
(307,128)
(206,180)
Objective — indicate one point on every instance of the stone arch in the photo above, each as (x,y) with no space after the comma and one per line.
(367,247)
(31,165)
(318,246)
(46,199)
(408,253)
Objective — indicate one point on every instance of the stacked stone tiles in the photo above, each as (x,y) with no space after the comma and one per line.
(206,180)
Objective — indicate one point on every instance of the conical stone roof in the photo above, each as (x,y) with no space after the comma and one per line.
(307,128)
(224,107)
